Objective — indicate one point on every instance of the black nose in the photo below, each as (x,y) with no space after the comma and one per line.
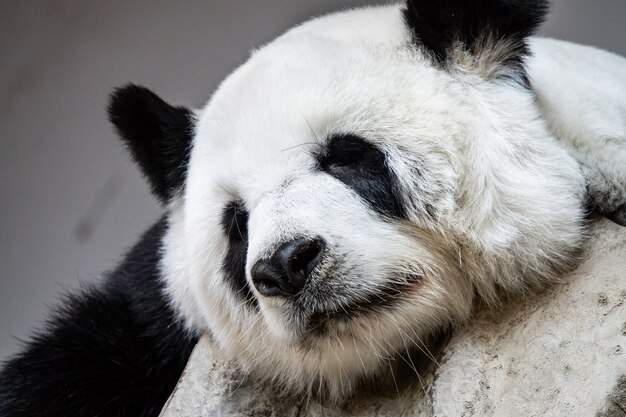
(286,272)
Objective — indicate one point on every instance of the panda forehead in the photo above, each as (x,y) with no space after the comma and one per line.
(275,103)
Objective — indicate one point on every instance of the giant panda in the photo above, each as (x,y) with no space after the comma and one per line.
(351,191)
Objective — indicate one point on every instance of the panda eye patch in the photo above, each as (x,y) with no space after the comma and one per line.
(363,167)
(348,150)
(235,221)
(235,227)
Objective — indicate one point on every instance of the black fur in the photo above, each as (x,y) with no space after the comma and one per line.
(157,134)
(235,227)
(363,167)
(114,349)
(439,25)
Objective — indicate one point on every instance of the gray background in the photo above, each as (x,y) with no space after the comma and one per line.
(70,201)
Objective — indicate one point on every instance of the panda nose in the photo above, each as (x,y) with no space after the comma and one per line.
(286,272)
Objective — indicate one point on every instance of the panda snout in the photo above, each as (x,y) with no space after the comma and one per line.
(286,272)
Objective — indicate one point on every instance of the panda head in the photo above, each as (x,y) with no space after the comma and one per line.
(356,185)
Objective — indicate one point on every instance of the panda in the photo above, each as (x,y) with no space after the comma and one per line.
(348,194)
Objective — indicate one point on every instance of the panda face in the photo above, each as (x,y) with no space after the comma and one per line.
(346,197)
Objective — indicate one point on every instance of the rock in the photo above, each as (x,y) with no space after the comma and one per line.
(560,353)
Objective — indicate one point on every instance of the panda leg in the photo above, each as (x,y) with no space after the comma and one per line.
(584,105)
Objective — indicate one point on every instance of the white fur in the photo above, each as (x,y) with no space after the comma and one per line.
(507,197)
(582,94)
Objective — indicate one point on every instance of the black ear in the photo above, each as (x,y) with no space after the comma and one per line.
(157,134)
(492,30)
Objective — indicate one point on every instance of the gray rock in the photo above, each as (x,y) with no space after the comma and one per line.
(560,353)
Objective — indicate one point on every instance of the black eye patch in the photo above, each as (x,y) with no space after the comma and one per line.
(363,167)
(235,227)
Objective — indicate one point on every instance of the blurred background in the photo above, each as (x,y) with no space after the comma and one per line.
(71,203)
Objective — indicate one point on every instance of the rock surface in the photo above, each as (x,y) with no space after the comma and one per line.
(560,353)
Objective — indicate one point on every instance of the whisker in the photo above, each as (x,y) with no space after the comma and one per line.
(309,124)
(296,146)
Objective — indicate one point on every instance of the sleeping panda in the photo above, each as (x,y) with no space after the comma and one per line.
(352,190)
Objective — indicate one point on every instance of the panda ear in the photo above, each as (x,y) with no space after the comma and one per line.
(157,134)
(490,34)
